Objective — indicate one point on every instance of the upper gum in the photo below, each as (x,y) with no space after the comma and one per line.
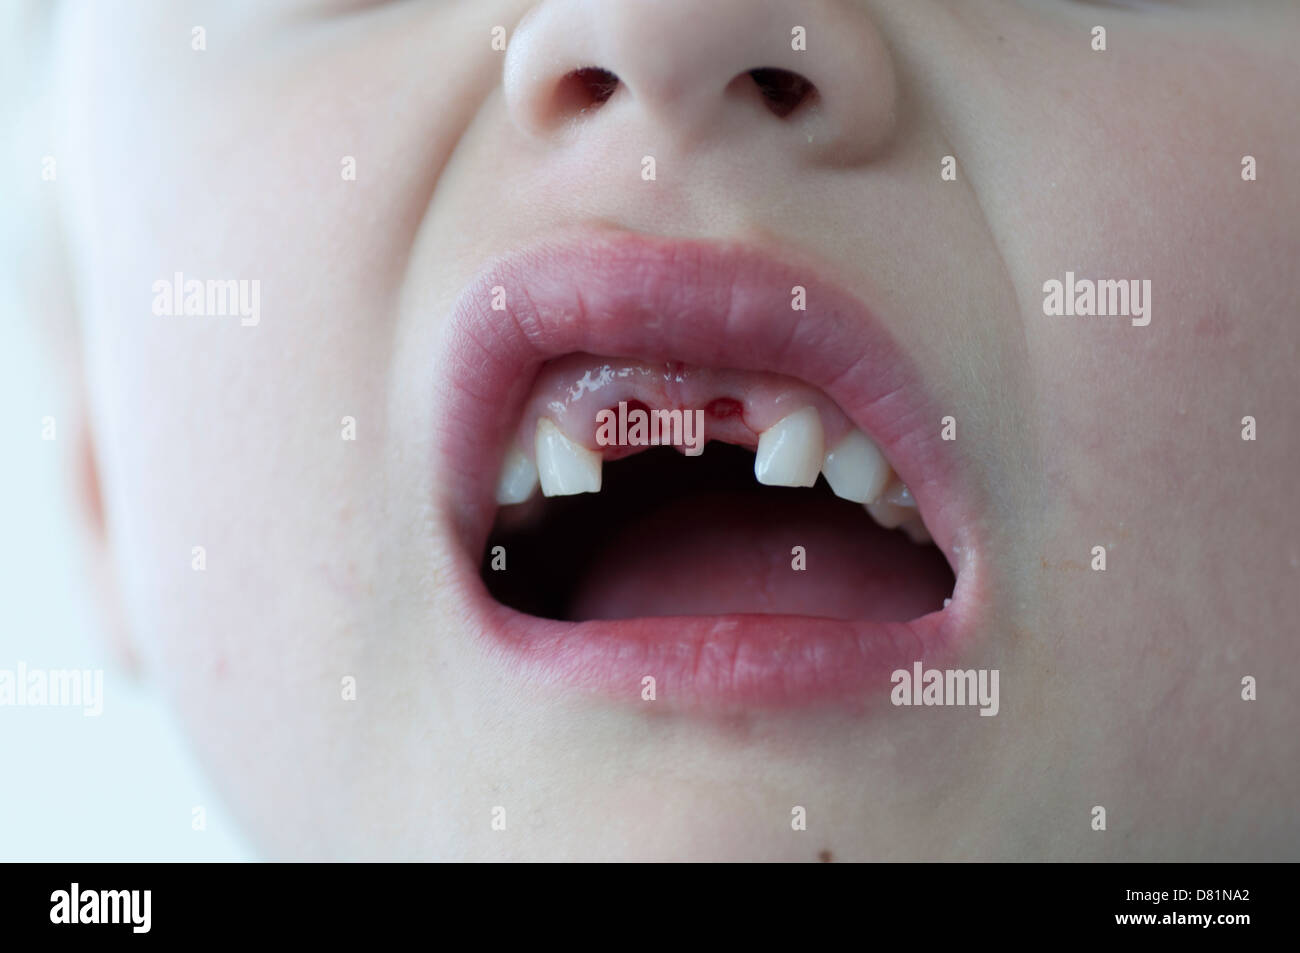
(572,389)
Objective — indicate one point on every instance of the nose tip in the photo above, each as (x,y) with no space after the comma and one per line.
(817,72)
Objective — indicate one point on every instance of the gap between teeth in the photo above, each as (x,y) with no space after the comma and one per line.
(790,453)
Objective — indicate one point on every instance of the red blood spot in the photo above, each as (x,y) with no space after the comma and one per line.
(634,405)
(724,407)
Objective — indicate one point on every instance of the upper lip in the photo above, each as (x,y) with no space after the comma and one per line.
(705,304)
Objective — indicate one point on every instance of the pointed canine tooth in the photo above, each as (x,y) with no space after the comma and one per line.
(790,451)
(565,467)
(856,469)
(518,478)
(917,532)
(890,515)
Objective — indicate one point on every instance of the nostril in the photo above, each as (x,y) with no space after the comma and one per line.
(783,91)
(584,89)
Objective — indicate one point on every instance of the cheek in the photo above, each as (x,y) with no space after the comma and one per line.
(257,545)
(1139,429)
(1162,201)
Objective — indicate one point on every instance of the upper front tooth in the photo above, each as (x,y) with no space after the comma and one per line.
(565,467)
(856,469)
(790,451)
(518,478)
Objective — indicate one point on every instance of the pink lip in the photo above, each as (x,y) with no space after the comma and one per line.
(626,295)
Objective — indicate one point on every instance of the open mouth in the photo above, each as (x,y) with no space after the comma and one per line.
(596,523)
(822,539)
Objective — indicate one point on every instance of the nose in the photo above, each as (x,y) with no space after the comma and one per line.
(815,74)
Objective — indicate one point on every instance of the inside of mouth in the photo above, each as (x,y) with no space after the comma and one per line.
(672,535)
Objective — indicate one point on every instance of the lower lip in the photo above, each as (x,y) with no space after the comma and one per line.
(721,663)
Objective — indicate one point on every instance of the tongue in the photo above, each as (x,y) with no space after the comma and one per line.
(713,554)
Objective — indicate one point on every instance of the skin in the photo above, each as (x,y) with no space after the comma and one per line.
(324,557)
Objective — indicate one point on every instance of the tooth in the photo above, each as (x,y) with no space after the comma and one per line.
(890,515)
(895,507)
(518,478)
(790,451)
(916,531)
(898,494)
(856,469)
(565,467)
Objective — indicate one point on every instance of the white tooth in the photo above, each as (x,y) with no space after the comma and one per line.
(518,478)
(890,515)
(895,506)
(917,532)
(565,467)
(856,469)
(790,451)
(898,494)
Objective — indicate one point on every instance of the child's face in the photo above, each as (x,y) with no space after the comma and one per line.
(329,558)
